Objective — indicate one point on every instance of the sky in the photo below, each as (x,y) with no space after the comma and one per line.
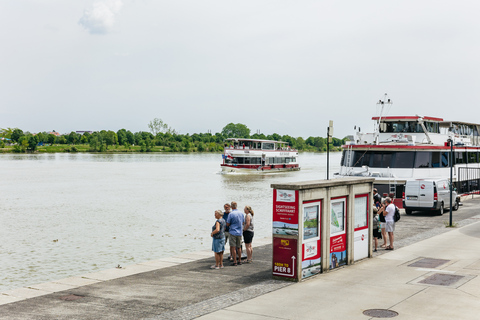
(285,67)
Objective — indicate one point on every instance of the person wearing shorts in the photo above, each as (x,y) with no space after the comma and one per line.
(388,210)
(248,232)
(235,223)
(227,209)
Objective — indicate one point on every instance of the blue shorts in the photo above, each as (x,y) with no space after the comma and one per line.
(218,245)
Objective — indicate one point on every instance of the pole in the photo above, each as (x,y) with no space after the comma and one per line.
(328,150)
(451,179)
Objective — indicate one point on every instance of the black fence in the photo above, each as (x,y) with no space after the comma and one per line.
(468,180)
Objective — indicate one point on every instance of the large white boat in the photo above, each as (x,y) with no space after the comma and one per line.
(258,156)
(413,147)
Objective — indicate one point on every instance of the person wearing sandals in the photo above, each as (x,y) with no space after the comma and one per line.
(248,232)
(228,208)
(377,231)
(218,243)
(235,221)
(388,210)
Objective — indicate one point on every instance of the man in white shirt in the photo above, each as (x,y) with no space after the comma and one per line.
(388,210)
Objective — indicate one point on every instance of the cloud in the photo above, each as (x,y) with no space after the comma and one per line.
(99,19)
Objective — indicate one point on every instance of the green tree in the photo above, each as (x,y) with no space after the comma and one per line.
(51,138)
(122,136)
(157,125)
(16,135)
(32,143)
(111,138)
(238,130)
(130,137)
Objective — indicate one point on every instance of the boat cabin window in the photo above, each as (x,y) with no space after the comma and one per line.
(423,159)
(408,126)
(268,146)
(404,159)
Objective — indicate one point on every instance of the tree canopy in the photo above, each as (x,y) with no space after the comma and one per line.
(238,130)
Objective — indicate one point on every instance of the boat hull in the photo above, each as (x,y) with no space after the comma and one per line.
(258,169)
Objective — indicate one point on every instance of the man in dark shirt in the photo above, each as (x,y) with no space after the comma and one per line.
(377,198)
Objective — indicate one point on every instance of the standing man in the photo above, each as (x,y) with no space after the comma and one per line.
(235,222)
(388,210)
(377,198)
(227,209)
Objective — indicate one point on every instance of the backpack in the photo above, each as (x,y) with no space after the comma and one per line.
(396,216)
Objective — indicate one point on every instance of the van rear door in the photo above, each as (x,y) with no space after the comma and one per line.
(425,194)
(419,193)
(411,193)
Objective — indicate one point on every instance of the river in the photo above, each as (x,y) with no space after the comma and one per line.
(65,214)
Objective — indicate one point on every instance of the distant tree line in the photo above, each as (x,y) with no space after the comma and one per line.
(160,138)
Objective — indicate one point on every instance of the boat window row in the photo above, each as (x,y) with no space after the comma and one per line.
(464,129)
(406,159)
(409,126)
(258,160)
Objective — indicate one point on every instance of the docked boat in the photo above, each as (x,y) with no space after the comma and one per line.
(413,147)
(258,156)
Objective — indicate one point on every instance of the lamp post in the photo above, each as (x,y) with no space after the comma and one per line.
(450,142)
(329,139)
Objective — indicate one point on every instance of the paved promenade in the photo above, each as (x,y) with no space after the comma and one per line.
(431,275)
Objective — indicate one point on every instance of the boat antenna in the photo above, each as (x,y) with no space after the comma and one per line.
(381,103)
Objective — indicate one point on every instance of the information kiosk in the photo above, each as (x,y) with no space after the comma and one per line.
(320,225)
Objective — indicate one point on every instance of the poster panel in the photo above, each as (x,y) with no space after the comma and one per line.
(284,256)
(311,259)
(285,212)
(338,238)
(361,236)
(361,211)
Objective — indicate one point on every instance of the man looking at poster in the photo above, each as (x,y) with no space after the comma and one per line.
(388,210)
(235,223)
(227,209)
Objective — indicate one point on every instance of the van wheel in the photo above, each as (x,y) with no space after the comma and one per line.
(408,211)
(455,206)
(440,211)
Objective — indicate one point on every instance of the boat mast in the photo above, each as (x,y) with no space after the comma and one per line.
(382,104)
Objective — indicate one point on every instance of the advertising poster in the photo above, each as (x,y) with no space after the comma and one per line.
(311,262)
(360,236)
(284,256)
(338,239)
(310,220)
(285,212)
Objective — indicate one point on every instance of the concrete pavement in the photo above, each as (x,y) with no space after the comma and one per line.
(445,286)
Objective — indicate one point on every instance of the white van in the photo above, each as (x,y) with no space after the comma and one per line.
(429,195)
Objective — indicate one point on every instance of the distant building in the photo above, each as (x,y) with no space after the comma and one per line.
(55,133)
(82,132)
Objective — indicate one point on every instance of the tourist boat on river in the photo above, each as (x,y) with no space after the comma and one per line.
(258,156)
(413,147)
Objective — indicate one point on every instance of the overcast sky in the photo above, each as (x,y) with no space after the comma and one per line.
(277,66)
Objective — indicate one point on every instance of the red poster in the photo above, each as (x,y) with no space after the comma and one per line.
(285,212)
(338,251)
(284,256)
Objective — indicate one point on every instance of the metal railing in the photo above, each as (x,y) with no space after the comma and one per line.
(468,180)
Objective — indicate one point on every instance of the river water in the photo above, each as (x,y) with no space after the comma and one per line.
(64,214)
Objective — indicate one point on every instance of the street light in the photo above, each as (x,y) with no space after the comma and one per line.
(450,142)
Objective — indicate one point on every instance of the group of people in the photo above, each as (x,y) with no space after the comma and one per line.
(383,221)
(231,225)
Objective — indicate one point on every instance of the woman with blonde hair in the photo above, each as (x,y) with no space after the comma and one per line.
(248,232)
(218,242)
